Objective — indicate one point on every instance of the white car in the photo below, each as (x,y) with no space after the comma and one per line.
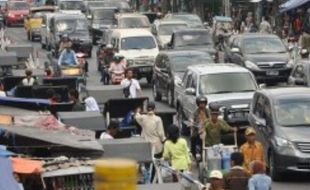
(139,47)
(163,30)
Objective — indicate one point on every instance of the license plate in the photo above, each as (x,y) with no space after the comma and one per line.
(145,69)
(272,73)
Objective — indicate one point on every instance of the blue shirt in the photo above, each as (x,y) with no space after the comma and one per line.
(259,182)
(67,58)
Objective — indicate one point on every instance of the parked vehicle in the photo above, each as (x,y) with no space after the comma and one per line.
(15,12)
(132,20)
(76,26)
(169,69)
(33,22)
(192,20)
(71,6)
(281,118)
(193,39)
(229,85)
(263,54)
(100,20)
(163,31)
(139,47)
(300,75)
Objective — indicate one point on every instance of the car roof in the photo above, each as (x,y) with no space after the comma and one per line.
(189,30)
(102,8)
(182,13)
(64,15)
(289,92)
(214,68)
(170,22)
(256,35)
(131,32)
(130,15)
(172,53)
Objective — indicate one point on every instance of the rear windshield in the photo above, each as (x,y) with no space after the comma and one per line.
(103,14)
(71,5)
(134,22)
(19,6)
(71,25)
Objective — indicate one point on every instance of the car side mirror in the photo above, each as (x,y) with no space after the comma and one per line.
(190,91)
(300,82)
(262,86)
(235,50)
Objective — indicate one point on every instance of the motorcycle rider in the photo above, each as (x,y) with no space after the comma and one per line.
(200,116)
(107,60)
(67,57)
(65,42)
(117,69)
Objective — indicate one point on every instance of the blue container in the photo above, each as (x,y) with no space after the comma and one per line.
(226,160)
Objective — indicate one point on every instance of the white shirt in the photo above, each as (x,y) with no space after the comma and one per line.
(91,104)
(2,94)
(106,136)
(29,82)
(134,86)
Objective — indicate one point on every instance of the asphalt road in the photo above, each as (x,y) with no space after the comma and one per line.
(291,181)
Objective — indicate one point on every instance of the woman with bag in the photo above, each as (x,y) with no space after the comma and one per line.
(177,151)
(130,85)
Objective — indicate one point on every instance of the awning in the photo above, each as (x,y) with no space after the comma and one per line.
(292,4)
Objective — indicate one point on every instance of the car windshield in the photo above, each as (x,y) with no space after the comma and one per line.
(193,39)
(141,42)
(71,25)
(71,5)
(168,29)
(226,83)
(19,6)
(191,19)
(103,14)
(263,45)
(293,112)
(181,62)
(134,22)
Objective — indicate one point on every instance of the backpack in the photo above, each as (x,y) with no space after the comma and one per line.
(126,90)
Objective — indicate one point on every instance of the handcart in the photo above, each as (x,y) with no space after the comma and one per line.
(216,157)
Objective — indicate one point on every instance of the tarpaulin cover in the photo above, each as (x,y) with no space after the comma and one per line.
(26,166)
(292,4)
(7,180)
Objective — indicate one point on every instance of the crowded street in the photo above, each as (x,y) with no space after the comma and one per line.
(131,95)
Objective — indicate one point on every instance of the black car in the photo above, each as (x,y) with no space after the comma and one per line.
(300,75)
(281,118)
(193,39)
(76,26)
(100,20)
(263,54)
(169,69)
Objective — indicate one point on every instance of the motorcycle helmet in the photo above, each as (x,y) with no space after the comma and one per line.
(214,107)
(65,37)
(201,99)
(118,58)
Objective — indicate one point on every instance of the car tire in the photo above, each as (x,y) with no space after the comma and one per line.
(157,96)
(170,97)
(273,172)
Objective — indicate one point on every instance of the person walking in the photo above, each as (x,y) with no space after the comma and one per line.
(252,149)
(130,85)
(237,178)
(215,126)
(265,26)
(200,116)
(177,151)
(259,179)
(152,128)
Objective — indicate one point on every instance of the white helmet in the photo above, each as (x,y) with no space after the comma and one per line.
(109,46)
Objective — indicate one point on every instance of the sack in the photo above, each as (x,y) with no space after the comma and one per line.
(126,91)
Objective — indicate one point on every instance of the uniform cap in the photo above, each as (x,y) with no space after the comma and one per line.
(250,131)
(216,174)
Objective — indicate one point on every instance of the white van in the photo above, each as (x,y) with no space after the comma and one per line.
(139,47)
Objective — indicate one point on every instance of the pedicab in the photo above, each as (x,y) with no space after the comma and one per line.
(216,157)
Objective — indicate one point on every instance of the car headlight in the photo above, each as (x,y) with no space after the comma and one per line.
(251,65)
(281,142)
(96,26)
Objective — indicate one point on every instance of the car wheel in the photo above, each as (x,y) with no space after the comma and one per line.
(156,94)
(273,172)
(170,97)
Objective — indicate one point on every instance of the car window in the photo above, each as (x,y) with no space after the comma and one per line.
(189,81)
(138,43)
(259,106)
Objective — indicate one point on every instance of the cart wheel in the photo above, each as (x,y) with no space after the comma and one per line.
(202,173)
